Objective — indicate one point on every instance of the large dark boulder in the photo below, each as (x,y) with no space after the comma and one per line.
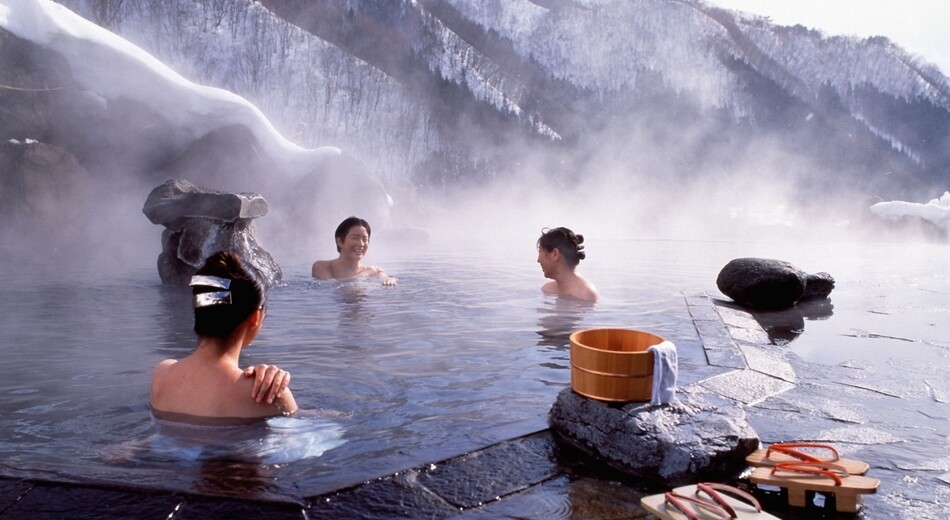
(700,436)
(762,283)
(199,222)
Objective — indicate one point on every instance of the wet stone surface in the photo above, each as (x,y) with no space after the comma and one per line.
(768,362)
(566,497)
(397,496)
(50,500)
(488,475)
(746,386)
(197,508)
(12,491)
(448,487)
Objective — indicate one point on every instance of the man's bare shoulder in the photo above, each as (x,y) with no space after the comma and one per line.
(321,270)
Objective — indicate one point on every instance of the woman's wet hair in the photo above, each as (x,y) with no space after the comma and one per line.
(225,291)
(345,227)
(565,241)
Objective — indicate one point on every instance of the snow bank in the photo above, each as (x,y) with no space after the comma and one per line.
(936,211)
(106,65)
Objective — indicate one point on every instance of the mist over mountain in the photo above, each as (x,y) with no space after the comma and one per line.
(676,99)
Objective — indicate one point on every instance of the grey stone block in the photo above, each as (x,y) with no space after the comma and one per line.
(699,436)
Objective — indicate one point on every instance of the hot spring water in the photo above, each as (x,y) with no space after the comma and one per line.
(464,353)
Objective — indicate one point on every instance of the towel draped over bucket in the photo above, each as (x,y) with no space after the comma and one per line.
(665,371)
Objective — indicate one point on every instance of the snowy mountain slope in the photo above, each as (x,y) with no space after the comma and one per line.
(560,67)
(441,92)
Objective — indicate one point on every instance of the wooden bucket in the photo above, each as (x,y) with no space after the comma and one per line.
(612,364)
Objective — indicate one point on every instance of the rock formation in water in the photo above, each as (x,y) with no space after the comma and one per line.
(199,222)
(699,436)
(763,283)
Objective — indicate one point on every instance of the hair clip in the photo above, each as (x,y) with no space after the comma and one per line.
(210,281)
(211,298)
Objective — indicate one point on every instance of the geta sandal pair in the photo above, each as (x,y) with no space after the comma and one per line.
(804,452)
(705,500)
(800,478)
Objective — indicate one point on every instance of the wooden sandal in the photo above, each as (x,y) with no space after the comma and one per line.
(688,502)
(821,477)
(675,506)
(790,452)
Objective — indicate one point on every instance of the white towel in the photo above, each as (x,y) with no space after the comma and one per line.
(665,370)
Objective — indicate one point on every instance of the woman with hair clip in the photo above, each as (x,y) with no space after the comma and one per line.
(559,252)
(229,302)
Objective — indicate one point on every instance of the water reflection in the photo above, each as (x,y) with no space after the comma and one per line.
(228,456)
(785,325)
(354,318)
(559,318)
(227,476)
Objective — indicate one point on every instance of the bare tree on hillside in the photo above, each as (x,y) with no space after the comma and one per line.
(105,12)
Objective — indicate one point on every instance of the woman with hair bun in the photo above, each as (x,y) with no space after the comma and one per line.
(559,252)
(229,300)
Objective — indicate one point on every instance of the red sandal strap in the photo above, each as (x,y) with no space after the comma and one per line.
(711,488)
(682,504)
(828,469)
(788,448)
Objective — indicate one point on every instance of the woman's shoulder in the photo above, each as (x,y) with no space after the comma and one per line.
(585,291)
(576,289)
(162,368)
(165,363)
(162,385)
(246,406)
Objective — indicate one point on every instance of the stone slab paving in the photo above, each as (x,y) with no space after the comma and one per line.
(525,477)
(746,386)
(51,500)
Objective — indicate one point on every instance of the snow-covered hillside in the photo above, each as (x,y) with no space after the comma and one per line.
(435,94)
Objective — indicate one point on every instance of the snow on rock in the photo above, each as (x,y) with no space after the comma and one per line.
(936,211)
(106,65)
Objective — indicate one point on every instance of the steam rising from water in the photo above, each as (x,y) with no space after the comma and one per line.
(605,201)
(655,196)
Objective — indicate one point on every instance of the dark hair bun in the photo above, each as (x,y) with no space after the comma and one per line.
(247,293)
(565,241)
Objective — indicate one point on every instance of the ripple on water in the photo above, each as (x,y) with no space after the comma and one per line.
(24,391)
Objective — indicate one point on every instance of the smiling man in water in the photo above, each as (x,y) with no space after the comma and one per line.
(352,241)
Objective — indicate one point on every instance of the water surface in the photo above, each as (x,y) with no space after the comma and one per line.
(463,353)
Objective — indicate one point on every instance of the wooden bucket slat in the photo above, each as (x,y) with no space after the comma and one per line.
(613,364)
